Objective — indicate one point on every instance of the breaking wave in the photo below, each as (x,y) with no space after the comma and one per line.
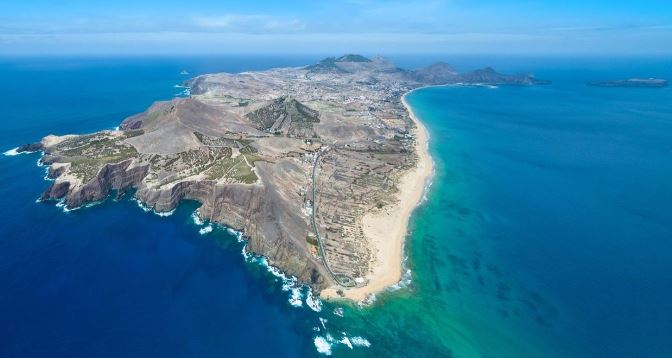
(147,209)
(298,293)
(346,341)
(196,219)
(369,300)
(358,341)
(185,93)
(12,152)
(322,345)
(313,302)
(406,278)
(61,204)
(164,213)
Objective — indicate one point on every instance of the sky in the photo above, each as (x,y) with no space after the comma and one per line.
(529,27)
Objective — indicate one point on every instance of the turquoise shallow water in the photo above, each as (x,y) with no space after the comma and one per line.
(548,219)
(545,233)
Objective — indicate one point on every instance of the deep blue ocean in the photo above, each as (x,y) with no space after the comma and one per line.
(547,230)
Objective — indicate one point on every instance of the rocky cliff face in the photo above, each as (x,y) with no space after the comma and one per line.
(111,176)
(253,209)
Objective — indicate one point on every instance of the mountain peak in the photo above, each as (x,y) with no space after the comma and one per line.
(285,115)
(352,58)
(437,73)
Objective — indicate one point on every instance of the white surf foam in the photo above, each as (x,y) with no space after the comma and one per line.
(289,284)
(428,186)
(147,209)
(346,341)
(406,278)
(197,220)
(322,345)
(246,255)
(165,213)
(358,341)
(295,297)
(142,206)
(12,152)
(237,234)
(369,300)
(313,302)
(205,230)
(185,93)
(405,281)
(15,151)
(61,205)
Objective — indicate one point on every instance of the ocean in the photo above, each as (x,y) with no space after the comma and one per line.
(546,231)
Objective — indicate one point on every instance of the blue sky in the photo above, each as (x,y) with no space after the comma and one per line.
(591,27)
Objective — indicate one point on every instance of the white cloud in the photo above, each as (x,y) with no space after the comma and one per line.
(234,23)
(230,42)
(247,23)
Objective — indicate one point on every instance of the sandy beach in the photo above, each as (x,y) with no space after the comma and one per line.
(388,229)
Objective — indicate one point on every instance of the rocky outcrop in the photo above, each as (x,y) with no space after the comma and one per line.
(57,190)
(273,231)
(54,171)
(491,77)
(254,209)
(438,73)
(29,148)
(286,115)
(630,82)
(197,85)
(119,176)
(167,199)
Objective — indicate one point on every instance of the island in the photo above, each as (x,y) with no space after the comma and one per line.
(631,82)
(319,166)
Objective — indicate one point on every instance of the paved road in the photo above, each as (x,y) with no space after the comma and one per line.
(341,279)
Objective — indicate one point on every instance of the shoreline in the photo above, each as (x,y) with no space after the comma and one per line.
(388,229)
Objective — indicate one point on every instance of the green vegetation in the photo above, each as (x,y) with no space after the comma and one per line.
(86,168)
(133,133)
(352,58)
(150,118)
(235,168)
(222,141)
(248,150)
(87,154)
(286,114)
(311,240)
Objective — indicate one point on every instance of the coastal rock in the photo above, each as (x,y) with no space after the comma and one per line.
(29,148)
(631,82)
(491,77)
(56,191)
(438,73)
(111,176)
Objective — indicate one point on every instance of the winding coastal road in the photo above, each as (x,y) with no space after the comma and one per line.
(341,279)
